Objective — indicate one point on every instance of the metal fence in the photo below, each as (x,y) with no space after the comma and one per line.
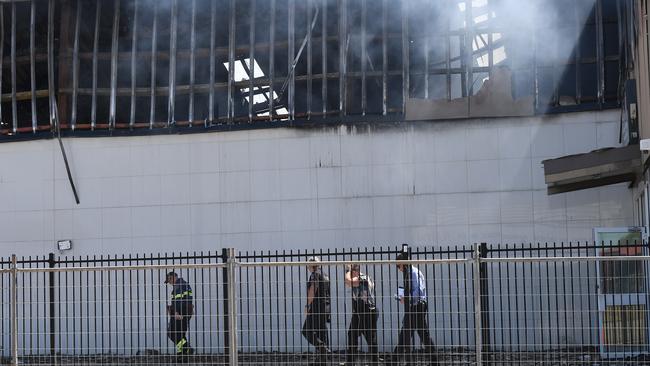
(578,304)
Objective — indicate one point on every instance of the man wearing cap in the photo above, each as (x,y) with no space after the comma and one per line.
(180,312)
(416,311)
(317,310)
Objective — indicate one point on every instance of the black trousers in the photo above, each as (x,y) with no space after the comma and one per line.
(363,324)
(176,332)
(315,331)
(415,321)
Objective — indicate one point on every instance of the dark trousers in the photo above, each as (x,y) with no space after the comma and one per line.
(415,321)
(176,332)
(315,331)
(363,324)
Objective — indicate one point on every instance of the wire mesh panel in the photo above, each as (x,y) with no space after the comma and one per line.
(577,304)
(5,311)
(572,306)
(33,313)
(122,312)
(365,320)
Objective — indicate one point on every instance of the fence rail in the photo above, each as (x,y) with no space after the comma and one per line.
(573,304)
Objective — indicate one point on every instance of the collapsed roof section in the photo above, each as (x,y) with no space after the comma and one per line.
(143,66)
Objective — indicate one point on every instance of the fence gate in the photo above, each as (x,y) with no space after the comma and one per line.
(622,294)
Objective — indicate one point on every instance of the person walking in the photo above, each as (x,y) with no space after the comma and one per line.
(317,311)
(180,312)
(364,314)
(415,312)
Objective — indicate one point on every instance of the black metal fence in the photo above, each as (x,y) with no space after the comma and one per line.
(531,304)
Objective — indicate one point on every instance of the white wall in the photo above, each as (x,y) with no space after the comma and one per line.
(423,183)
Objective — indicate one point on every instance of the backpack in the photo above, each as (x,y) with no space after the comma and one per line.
(324,294)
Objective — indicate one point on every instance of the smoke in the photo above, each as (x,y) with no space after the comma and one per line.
(512,33)
(547,31)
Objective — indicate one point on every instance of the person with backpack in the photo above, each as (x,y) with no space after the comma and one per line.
(317,310)
(364,314)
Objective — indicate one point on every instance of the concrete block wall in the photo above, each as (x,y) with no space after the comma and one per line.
(435,183)
(441,183)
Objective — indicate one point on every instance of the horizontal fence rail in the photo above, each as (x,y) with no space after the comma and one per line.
(548,304)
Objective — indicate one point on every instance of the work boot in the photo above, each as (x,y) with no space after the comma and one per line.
(349,359)
(395,359)
(323,349)
(432,356)
(180,358)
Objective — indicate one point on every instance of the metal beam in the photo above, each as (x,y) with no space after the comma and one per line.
(251,59)
(2,42)
(600,52)
(231,61)
(190,116)
(576,50)
(364,52)
(343,41)
(93,103)
(14,111)
(32,62)
(75,67)
(405,54)
(173,34)
(65,23)
(134,50)
(324,57)
(384,57)
(272,61)
(213,27)
(469,49)
(154,51)
(310,7)
(291,52)
(448,54)
(204,88)
(114,49)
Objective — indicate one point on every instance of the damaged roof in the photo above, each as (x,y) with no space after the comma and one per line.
(159,66)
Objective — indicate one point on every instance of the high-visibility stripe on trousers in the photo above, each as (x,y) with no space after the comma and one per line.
(177,333)
(180,345)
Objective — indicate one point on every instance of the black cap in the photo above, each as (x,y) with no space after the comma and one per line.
(170,274)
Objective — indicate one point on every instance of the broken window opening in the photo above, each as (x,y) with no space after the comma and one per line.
(261,94)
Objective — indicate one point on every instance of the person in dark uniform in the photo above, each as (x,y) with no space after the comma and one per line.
(364,314)
(416,311)
(180,312)
(317,311)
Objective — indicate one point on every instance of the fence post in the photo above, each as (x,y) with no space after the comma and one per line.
(232,307)
(485,301)
(52,318)
(14,310)
(406,278)
(225,253)
(477,305)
